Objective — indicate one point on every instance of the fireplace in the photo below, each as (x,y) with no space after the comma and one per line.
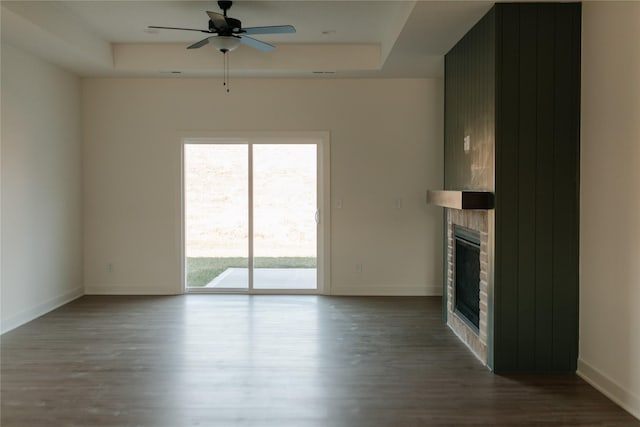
(467,275)
(469,266)
(468,272)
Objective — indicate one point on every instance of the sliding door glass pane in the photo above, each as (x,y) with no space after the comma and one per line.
(284,216)
(216,215)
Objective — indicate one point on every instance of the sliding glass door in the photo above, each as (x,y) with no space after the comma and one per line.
(251,216)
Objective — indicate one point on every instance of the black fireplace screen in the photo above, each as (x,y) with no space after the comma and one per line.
(467,274)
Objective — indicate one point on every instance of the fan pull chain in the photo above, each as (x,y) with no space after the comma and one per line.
(226,71)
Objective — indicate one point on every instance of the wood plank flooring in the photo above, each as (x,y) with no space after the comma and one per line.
(238,360)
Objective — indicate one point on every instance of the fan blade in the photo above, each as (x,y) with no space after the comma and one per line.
(274,29)
(256,44)
(177,28)
(219,21)
(199,44)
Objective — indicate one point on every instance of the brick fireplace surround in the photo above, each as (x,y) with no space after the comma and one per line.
(477,220)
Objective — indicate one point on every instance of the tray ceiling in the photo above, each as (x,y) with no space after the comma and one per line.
(334,38)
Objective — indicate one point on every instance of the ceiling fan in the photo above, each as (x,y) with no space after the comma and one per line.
(227,33)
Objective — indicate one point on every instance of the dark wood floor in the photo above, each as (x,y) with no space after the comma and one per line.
(228,360)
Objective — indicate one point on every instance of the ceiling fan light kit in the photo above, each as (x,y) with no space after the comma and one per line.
(229,34)
(225,43)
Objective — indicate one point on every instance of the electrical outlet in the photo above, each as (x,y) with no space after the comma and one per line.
(467,143)
(110,267)
(358,268)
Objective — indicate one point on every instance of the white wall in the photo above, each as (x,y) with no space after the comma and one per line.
(41,187)
(386,143)
(610,201)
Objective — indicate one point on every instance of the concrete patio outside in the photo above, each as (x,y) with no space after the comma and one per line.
(266,278)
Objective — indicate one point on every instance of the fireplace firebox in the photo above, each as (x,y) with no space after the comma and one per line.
(467,275)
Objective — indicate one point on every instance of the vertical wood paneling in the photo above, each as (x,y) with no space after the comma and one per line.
(575,13)
(538,239)
(565,176)
(496,333)
(507,188)
(469,109)
(531,53)
(545,52)
(536,187)
(527,186)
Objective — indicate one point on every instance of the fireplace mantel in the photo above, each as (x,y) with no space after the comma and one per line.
(461,199)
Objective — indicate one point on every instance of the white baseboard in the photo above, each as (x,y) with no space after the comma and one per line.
(131,289)
(620,395)
(386,290)
(40,309)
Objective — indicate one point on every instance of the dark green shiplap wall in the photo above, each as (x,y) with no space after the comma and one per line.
(535,116)
(537,187)
(470,109)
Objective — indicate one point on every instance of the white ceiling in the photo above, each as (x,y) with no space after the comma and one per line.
(349,38)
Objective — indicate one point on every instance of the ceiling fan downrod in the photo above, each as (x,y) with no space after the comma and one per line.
(225,5)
